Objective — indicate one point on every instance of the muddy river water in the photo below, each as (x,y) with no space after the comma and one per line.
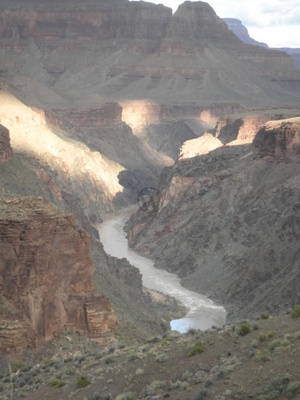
(202,312)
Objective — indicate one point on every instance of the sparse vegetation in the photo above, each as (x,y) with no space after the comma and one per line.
(82,381)
(165,370)
(56,382)
(197,348)
(244,329)
(295,311)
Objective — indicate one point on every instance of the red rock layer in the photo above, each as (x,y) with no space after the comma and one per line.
(46,277)
(279,139)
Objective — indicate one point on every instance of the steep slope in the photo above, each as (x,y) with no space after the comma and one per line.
(229,226)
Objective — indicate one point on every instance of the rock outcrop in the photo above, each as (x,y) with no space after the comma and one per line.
(5,147)
(46,277)
(241,129)
(279,140)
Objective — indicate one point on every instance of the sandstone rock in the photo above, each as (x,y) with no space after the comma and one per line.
(5,147)
(279,140)
(196,147)
(241,129)
(46,277)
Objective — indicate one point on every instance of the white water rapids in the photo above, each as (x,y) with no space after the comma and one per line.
(202,314)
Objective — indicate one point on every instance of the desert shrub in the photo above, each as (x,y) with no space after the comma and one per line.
(264,315)
(132,357)
(270,334)
(199,377)
(296,335)
(196,349)
(179,385)
(82,381)
(165,341)
(293,389)
(139,371)
(295,311)
(16,365)
(154,339)
(150,390)
(244,329)
(187,376)
(275,389)
(201,395)
(275,343)
(161,358)
(262,337)
(126,396)
(192,331)
(108,360)
(264,356)
(106,396)
(55,382)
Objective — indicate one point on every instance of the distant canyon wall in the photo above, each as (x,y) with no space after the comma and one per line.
(137,39)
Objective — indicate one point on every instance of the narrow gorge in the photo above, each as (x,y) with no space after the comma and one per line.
(101,99)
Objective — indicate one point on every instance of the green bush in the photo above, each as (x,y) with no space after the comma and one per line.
(82,382)
(262,337)
(293,388)
(55,382)
(197,348)
(264,315)
(244,329)
(295,311)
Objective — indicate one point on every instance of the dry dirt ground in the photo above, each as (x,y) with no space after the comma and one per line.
(248,360)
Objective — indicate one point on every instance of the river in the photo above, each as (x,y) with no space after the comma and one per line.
(202,313)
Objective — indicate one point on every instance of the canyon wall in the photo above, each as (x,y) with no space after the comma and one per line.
(46,277)
(230,224)
(138,50)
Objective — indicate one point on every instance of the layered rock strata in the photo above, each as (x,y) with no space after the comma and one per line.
(279,140)
(46,277)
(137,50)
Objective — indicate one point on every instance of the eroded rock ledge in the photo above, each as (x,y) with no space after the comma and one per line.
(46,277)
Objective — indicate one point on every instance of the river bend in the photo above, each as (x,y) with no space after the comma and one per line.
(202,313)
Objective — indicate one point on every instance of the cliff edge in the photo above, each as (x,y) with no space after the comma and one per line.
(46,277)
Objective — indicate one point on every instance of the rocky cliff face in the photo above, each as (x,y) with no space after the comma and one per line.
(229,225)
(5,147)
(46,277)
(279,140)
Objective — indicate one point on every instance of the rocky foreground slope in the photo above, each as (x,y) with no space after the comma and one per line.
(253,360)
(230,223)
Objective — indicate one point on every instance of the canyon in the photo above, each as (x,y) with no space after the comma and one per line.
(101,99)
